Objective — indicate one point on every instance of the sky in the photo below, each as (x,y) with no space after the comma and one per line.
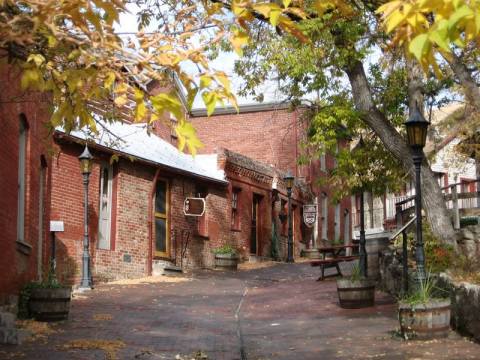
(224,62)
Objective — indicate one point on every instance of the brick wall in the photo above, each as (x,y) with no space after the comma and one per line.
(67,206)
(272,137)
(17,267)
(134,185)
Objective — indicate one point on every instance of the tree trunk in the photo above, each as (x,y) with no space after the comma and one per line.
(433,201)
(471,90)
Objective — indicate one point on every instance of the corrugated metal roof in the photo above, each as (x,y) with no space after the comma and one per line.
(136,141)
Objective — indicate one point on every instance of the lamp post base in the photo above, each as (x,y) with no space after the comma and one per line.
(82,289)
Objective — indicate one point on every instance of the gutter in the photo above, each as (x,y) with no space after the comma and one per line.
(242,109)
(61,135)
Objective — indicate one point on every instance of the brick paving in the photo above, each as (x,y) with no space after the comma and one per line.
(279,312)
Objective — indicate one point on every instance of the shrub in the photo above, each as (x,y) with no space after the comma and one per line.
(226,249)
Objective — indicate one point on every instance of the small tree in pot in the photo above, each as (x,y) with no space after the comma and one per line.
(356,291)
(423,314)
(45,301)
(365,167)
(226,257)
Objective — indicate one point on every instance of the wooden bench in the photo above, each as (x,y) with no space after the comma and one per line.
(334,259)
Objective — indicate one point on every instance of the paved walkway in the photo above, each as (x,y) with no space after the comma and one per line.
(279,312)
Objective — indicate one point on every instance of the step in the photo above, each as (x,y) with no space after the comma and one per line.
(163,267)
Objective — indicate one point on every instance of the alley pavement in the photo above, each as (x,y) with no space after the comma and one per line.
(279,312)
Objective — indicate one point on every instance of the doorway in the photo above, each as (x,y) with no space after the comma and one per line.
(254,234)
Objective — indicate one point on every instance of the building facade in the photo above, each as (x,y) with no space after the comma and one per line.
(273,134)
(25,170)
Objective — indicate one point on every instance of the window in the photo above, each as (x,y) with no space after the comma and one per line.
(162,245)
(22,153)
(324,216)
(323,163)
(235,217)
(202,222)
(173,133)
(105,212)
(337,222)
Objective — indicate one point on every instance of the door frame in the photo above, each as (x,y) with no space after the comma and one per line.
(256,200)
(166,216)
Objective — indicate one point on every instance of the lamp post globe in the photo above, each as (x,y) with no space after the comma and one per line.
(86,161)
(417,127)
(289,180)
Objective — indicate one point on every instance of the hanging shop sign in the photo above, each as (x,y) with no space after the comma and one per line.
(194,206)
(309,214)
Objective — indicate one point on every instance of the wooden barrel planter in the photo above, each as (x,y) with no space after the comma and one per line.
(50,304)
(356,294)
(425,321)
(226,261)
(311,253)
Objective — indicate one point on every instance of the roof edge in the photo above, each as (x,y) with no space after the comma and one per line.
(62,135)
(242,109)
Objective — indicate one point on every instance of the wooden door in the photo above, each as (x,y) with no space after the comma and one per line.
(162,233)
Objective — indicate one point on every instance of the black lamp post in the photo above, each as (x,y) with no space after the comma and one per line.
(289,184)
(416,136)
(363,261)
(86,168)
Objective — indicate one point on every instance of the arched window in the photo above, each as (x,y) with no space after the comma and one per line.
(22,155)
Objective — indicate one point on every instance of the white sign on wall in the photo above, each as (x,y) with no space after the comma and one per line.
(309,214)
(56,226)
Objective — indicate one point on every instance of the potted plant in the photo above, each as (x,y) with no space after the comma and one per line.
(355,291)
(45,301)
(226,257)
(422,314)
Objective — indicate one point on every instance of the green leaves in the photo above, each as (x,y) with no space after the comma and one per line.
(419,46)
(168,102)
(210,100)
(187,136)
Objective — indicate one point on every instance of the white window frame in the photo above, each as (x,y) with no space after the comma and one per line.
(324,200)
(104,240)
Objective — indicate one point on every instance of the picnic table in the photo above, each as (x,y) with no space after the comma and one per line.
(332,256)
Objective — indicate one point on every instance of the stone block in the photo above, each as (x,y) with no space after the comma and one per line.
(22,336)
(467,234)
(7,319)
(8,335)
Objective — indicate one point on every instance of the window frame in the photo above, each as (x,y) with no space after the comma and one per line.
(22,178)
(107,243)
(235,218)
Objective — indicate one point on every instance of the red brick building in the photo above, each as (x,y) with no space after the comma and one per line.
(137,222)
(273,134)
(25,182)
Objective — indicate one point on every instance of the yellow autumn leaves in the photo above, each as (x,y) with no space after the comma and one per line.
(428,27)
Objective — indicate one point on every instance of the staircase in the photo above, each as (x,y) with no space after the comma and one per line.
(165,268)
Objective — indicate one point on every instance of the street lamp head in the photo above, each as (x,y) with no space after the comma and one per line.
(86,161)
(289,180)
(416,129)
